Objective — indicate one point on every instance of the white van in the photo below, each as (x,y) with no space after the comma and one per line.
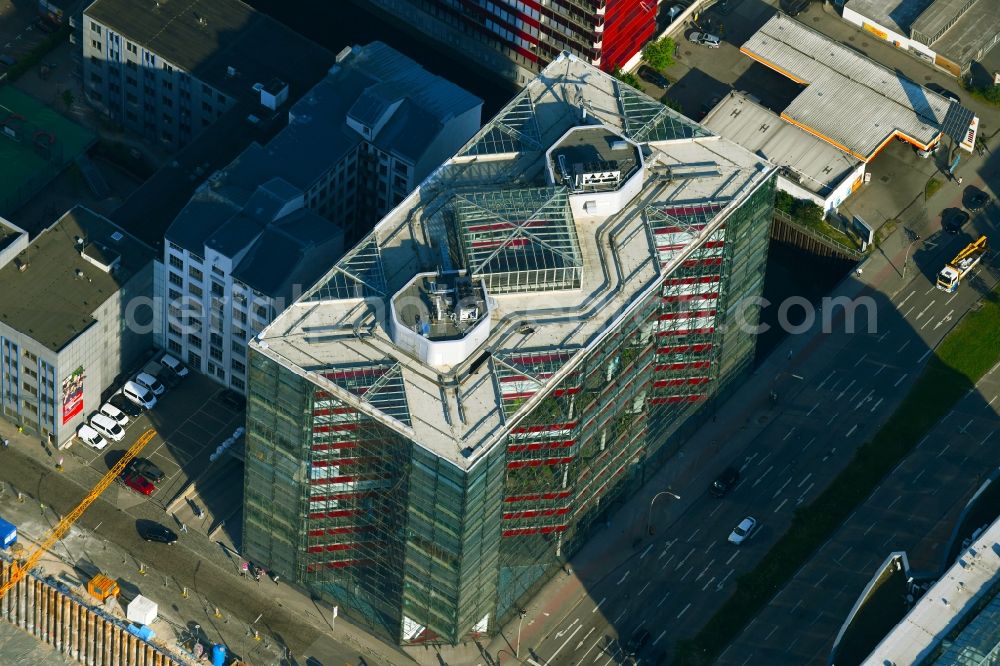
(149,381)
(107,427)
(115,414)
(139,395)
(91,437)
(173,365)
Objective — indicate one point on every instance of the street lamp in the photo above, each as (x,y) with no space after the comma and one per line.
(914,237)
(649,516)
(520,617)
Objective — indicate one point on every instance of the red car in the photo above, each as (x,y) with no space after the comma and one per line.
(138,483)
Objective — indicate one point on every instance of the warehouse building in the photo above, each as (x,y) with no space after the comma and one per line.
(852,102)
(949,34)
(446,416)
(810,168)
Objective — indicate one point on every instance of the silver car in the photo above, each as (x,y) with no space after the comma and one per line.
(743,531)
(704,39)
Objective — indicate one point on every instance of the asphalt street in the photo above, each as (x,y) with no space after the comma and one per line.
(914,509)
(834,393)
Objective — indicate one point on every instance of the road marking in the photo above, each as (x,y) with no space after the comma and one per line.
(787,481)
(717,507)
(893,502)
(875,406)
(820,581)
(693,534)
(851,431)
(925,355)
(624,577)
(705,587)
(903,302)
(900,350)
(553,657)
(804,479)
(859,361)
(710,547)
(771,633)
(926,323)
(881,367)
(988,435)
(926,309)
(900,380)
(681,563)
(864,399)
(881,337)
(619,618)
(718,587)
(946,447)
(761,477)
(781,505)
(644,587)
(663,599)
(698,577)
(907,313)
(733,557)
(945,318)
(765,457)
(687,573)
(891,537)
(668,562)
(684,610)
(812,408)
(990,403)
(804,493)
(603,599)
(583,640)
(560,634)
(846,388)
(919,474)
(662,634)
(795,607)
(789,434)
(596,643)
(849,549)
(646,552)
(809,443)
(825,380)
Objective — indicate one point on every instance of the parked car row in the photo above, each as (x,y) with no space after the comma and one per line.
(137,395)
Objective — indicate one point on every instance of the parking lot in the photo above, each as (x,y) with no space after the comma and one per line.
(19,31)
(191,420)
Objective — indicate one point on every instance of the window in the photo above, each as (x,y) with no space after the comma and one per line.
(240,334)
(238,384)
(96,78)
(260,311)
(96,44)
(205,89)
(239,367)
(206,107)
(176,279)
(215,353)
(131,99)
(194,340)
(237,347)
(174,295)
(131,81)
(29,389)
(167,85)
(218,271)
(221,98)
(218,289)
(131,48)
(29,372)
(240,316)
(95,28)
(167,102)
(196,274)
(173,346)
(195,290)
(31,357)
(215,339)
(176,261)
(194,360)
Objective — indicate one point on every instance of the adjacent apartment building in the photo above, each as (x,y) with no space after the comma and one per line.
(516,39)
(167,69)
(265,228)
(446,416)
(75,312)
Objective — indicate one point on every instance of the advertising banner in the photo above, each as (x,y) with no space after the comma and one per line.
(72,395)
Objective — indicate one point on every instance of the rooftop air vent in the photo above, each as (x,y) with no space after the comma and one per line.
(230,71)
(117,236)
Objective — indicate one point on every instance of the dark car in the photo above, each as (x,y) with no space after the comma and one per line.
(794,7)
(955,220)
(650,75)
(944,92)
(977,201)
(725,482)
(137,483)
(126,405)
(151,531)
(639,639)
(145,469)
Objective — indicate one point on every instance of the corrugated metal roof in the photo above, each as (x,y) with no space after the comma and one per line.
(934,20)
(761,131)
(849,100)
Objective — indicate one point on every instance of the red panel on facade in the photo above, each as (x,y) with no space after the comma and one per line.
(687,314)
(534,513)
(521,531)
(545,428)
(684,298)
(684,349)
(536,446)
(340,530)
(334,514)
(332,548)
(683,366)
(539,496)
(702,279)
(690,331)
(676,398)
(680,381)
(538,463)
(335,565)
(707,261)
(628,24)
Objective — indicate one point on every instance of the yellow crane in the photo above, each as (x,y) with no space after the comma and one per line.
(956,269)
(57,532)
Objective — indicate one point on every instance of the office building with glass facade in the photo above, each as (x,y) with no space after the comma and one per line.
(441,421)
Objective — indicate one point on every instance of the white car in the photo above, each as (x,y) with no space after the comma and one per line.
(107,427)
(175,366)
(91,437)
(152,383)
(704,39)
(139,395)
(112,412)
(743,531)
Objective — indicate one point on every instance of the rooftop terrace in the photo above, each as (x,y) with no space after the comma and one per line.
(560,266)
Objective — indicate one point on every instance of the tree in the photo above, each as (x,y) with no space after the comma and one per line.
(626,77)
(659,54)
